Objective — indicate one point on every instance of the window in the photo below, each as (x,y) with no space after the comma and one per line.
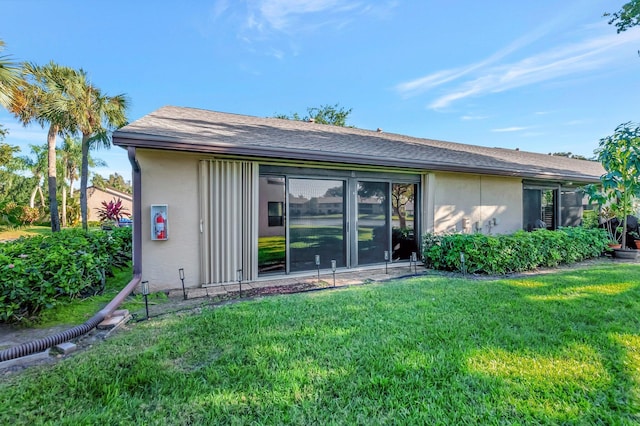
(276,213)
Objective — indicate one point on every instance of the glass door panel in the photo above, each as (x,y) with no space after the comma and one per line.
(373,222)
(316,224)
(403,235)
(271,225)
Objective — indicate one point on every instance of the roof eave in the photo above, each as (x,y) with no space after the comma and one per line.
(137,140)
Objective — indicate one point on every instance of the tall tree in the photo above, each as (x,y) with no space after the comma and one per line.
(324,114)
(114,181)
(628,16)
(70,157)
(37,166)
(9,77)
(96,116)
(41,88)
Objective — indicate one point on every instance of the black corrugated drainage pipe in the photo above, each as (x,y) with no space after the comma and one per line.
(43,344)
(64,336)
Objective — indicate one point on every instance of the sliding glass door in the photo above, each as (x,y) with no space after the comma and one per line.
(351,219)
(317,223)
(372,222)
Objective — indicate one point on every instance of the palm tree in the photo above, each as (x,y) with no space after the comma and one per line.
(95,115)
(37,167)
(9,77)
(34,99)
(70,156)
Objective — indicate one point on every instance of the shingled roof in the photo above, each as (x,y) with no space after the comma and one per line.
(197,130)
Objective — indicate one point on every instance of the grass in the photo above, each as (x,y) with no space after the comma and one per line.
(7,233)
(78,311)
(559,348)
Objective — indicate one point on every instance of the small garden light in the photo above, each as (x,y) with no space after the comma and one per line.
(181,274)
(414,259)
(318,266)
(333,269)
(145,293)
(386,261)
(239,276)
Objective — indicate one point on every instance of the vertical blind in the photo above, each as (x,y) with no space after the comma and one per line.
(228,220)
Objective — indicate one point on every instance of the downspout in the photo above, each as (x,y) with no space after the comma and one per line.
(40,345)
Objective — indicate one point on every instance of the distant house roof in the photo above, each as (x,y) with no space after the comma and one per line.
(196,130)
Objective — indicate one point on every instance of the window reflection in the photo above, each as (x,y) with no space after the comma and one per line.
(316,225)
(403,237)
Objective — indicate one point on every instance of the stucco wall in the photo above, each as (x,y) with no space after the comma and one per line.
(170,178)
(95,197)
(479,199)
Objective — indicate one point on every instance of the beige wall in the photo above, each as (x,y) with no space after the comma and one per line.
(452,197)
(170,178)
(173,178)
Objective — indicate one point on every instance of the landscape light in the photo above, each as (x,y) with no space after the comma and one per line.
(181,275)
(386,261)
(333,269)
(145,293)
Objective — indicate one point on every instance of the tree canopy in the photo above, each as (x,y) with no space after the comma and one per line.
(334,115)
(628,16)
(620,185)
(114,181)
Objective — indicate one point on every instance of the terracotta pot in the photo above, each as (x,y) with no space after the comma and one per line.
(637,243)
(614,246)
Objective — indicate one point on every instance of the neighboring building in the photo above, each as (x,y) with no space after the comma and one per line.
(95,197)
(265,195)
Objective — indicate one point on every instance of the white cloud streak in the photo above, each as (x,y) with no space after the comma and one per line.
(509,129)
(489,76)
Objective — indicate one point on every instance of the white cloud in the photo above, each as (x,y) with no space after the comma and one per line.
(281,14)
(474,117)
(491,76)
(510,129)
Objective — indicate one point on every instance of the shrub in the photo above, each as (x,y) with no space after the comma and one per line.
(37,272)
(112,211)
(520,251)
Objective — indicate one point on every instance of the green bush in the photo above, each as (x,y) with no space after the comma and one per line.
(520,251)
(37,272)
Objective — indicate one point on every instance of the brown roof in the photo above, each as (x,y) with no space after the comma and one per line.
(197,130)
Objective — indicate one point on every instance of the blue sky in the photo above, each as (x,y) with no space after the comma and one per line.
(542,76)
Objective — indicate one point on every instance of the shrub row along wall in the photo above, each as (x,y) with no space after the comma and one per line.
(38,272)
(521,251)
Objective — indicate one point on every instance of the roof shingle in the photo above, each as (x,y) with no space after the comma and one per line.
(196,130)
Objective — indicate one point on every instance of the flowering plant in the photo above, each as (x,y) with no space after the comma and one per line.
(112,211)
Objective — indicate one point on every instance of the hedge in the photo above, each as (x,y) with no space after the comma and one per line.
(39,272)
(520,251)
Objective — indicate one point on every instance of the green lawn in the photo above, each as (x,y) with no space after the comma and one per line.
(25,231)
(77,311)
(548,349)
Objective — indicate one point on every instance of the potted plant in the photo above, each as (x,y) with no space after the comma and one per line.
(620,184)
(636,239)
(110,213)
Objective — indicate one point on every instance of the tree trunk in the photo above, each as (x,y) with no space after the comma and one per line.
(32,199)
(64,207)
(53,201)
(84,177)
(42,202)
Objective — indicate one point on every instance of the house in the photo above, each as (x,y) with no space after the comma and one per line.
(96,196)
(223,194)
